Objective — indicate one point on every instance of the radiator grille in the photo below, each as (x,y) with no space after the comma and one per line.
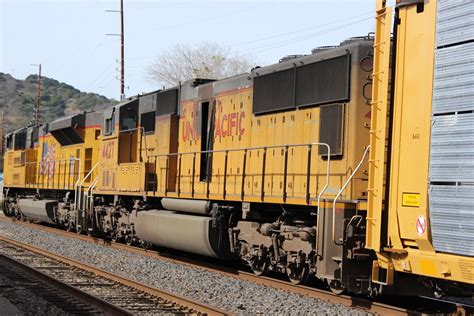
(323,82)
(331,128)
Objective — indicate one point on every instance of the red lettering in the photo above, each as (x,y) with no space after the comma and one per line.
(241,128)
(232,123)
(224,133)
(185,132)
(229,124)
(190,129)
(217,127)
(108,150)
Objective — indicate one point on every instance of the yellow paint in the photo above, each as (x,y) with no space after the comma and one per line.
(427,266)
(34,169)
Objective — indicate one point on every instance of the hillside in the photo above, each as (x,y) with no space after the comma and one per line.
(18,97)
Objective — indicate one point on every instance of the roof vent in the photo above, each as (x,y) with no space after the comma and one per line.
(368,37)
(290,57)
(322,49)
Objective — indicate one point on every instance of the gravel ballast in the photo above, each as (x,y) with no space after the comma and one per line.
(216,289)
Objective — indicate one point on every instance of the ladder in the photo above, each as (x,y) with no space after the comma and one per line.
(378,125)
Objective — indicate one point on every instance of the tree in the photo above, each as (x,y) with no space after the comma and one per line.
(184,62)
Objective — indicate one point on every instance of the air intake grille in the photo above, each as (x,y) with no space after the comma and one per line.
(274,92)
(331,128)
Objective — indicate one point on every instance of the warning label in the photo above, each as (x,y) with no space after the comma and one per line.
(421,225)
(411,199)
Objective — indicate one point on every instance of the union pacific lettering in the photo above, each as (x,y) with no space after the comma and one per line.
(188,131)
(225,125)
(230,125)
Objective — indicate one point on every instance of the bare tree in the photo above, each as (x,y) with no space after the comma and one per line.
(208,60)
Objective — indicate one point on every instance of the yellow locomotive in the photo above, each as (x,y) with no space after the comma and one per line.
(312,166)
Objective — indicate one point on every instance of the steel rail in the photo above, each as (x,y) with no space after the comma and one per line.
(346,300)
(178,299)
(95,302)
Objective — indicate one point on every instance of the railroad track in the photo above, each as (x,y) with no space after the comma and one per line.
(77,288)
(398,308)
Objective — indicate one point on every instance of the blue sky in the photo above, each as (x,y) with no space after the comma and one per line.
(69,37)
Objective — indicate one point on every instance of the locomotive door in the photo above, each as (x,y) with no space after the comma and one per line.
(128,134)
(208,113)
(173,149)
(131,171)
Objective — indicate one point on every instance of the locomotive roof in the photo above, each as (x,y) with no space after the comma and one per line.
(77,120)
(22,129)
(158,100)
(347,47)
(208,90)
(109,111)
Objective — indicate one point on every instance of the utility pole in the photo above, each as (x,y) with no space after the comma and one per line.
(38,97)
(122,50)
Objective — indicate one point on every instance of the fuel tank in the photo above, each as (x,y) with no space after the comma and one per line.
(38,210)
(184,232)
(187,206)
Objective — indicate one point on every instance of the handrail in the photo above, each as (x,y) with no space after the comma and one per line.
(90,191)
(327,176)
(247,149)
(40,164)
(340,192)
(241,149)
(44,161)
(77,195)
(77,182)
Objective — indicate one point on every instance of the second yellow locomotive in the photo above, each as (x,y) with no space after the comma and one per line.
(240,167)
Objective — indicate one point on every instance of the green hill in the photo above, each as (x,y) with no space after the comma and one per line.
(18,97)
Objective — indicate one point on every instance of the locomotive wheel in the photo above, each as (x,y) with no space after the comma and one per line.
(336,286)
(259,267)
(297,275)
(5,209)
(145,245)
(115,238)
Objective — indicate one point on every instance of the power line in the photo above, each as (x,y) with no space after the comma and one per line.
(301,30)
(300,38)
(93,82)
(285,34)
(203,19)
